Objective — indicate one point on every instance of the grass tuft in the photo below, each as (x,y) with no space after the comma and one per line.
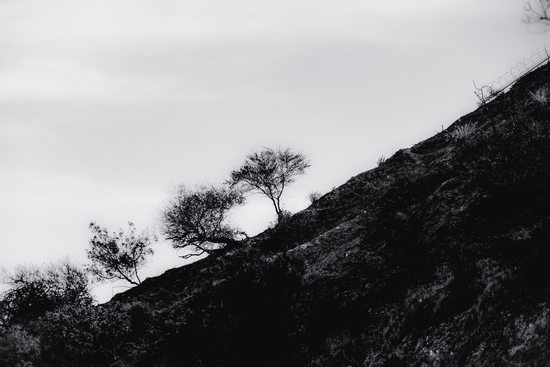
(462,132)
(541,95)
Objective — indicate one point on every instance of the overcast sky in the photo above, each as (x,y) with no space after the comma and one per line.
(106,105)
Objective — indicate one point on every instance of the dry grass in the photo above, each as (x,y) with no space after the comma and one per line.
(462,132)
(541,95)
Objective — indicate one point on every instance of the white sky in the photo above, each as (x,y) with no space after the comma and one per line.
(106,105)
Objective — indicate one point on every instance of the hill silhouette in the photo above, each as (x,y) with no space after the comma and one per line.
(437,257)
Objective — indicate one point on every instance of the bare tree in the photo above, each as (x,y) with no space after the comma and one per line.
(537,11)
(120,255)
(198,218)
(269,172)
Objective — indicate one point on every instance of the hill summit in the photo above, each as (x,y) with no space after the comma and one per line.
(438,257)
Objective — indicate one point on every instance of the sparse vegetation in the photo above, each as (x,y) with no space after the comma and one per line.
(437,259)
(486,93)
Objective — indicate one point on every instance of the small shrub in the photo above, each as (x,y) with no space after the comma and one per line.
(314,196)
(541,95)
(462,131)
(486,93)
(381,160)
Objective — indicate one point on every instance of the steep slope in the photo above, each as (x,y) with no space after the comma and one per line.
(438,257)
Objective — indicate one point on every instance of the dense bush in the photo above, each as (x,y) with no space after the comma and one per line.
(84,335)
(18,348)
(34,290)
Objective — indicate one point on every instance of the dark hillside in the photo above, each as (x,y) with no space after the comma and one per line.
(438,257)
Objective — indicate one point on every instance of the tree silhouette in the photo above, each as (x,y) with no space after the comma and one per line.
(198,218)
(120,255)
(269,172)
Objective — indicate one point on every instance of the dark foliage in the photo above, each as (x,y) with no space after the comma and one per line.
(85,335)
(18,347)
(33,291)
